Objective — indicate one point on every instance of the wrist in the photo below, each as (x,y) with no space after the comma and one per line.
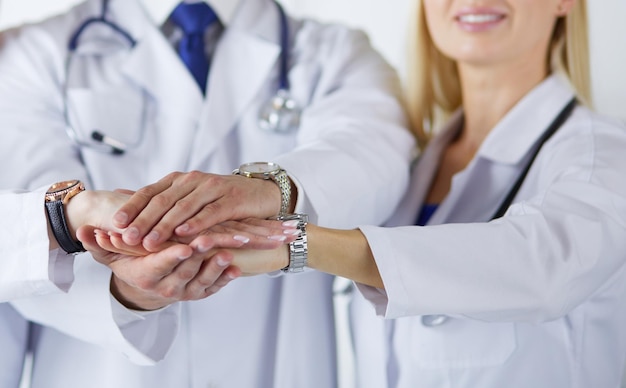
(77,211)
(133,298)
(272,172)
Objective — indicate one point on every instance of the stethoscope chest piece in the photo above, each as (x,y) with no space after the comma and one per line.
(281,114)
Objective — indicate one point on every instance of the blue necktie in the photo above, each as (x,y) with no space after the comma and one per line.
(193,19)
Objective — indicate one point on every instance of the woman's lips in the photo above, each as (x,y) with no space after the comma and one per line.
(479,21)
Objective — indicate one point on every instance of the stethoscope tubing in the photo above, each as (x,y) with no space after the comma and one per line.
(107,144)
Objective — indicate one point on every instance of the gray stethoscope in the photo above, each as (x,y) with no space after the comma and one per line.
(280,114)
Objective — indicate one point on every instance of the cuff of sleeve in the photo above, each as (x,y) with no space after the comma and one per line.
(43,271)
(376,296)
(124,316)
(152,332)
(61,269)
(392,302)
(86,313)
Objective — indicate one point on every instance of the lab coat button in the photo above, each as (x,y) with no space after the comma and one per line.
(434,320)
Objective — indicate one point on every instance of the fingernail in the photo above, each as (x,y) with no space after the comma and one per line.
(185,256)
(292,232)
(121,218)
(243,239)
(222,262)
(277,238)
(132,233)
(183,228)
(153,236)
(291,224)
(203,248)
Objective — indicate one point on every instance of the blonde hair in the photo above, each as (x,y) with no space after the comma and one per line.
(433,87)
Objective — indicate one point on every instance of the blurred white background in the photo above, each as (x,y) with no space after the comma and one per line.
(385,21)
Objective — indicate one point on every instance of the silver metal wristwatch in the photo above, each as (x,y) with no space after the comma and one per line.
(268,170)
(298,249)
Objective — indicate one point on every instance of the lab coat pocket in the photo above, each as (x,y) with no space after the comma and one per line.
(116,112)
(462,343)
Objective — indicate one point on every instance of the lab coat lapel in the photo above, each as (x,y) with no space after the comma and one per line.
(155,67)
(423,173)
(247,52)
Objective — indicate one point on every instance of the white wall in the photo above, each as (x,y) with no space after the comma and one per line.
(13,12)
(608,55)
(386,22)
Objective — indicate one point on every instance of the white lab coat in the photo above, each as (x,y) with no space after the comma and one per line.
(27,268)
(352,143)
(535,299)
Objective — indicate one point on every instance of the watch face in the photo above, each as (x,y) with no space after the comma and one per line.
(60,186)
(63,191)
(259,167)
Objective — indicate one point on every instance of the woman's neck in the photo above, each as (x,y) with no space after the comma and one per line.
(490,92)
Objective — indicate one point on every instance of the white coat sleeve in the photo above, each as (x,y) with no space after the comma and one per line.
(32,75)
(27,268)
(353,141)
(548,254)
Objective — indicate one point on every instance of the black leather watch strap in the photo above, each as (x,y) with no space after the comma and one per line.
(58,223)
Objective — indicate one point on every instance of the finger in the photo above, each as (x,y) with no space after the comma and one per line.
(161,264)
(239,198)
(258,230)
(118,245)
(86,235)
(168,208)
(124,191)
(173,286)
(231,273)
(139,200)
(187,204)
(220,237)
(204,202)
(210,272)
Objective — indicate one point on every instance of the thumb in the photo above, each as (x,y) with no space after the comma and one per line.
(87,236)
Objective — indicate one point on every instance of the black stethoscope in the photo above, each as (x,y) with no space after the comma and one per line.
(280,114)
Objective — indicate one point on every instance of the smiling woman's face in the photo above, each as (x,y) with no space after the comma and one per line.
(492,32)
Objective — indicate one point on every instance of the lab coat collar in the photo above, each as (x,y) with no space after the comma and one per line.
(159,10)
(253,35)
(511,139)
(423,173)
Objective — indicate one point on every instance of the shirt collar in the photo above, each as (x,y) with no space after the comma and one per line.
(159,10)
(509,141)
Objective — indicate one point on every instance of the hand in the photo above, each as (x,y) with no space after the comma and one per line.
(250,233)
(260,257)
(94,208)
(187,203)
(155,280)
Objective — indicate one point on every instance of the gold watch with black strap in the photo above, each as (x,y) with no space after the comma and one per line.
(57,196)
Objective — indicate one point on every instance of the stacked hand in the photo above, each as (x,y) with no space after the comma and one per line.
(173,240)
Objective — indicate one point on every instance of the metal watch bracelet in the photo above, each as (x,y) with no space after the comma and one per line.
(298,249)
